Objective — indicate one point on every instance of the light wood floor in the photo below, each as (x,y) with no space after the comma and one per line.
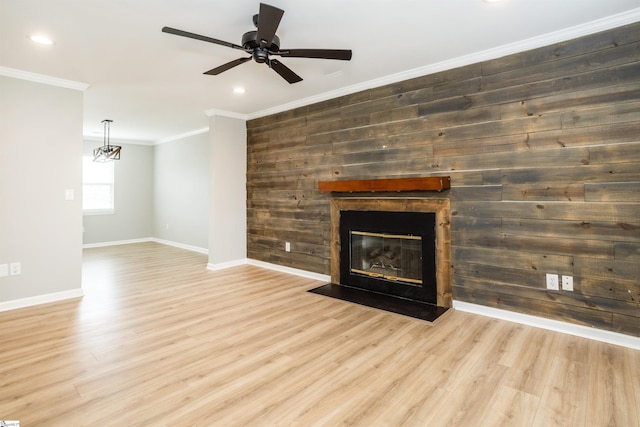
(158,340)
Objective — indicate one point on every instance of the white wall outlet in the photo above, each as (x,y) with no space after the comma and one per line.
(552,282)
(4,270)
(69,194)
(287,246)
(14,269)
(567,283)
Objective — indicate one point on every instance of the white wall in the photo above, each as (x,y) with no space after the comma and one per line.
(181,191)
(133,197)
(228,191)
(40,158)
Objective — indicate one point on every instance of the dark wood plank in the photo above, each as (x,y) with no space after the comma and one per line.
(494,237)
(540,293)
(613,191)
(625,251)
(528,261)
(557,211)
(515,302)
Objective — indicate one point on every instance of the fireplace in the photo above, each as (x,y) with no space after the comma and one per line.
(417,222)
(392,253)
(398,255)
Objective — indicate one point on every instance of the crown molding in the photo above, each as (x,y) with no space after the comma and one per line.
(591,27)
(41,78)
(215,112)
(182,136)
(93,138)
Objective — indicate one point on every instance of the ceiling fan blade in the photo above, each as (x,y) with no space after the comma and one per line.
(187,34)
(228,65)
(284,71)
(268,20)
(341,54)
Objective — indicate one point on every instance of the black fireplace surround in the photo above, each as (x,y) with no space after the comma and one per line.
(405,270)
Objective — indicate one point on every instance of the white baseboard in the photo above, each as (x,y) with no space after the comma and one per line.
(116,243)
(181,245)
(552,325)
(269,266)
(144,240)
(41,299)
(228,264)
(290,270)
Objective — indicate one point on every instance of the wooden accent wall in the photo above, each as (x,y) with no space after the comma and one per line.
(543,151)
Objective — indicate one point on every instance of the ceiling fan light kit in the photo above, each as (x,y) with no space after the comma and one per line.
(263,43)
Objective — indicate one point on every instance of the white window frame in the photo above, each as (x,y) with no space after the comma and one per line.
(110,182)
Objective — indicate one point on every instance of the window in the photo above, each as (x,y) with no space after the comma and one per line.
(97,186)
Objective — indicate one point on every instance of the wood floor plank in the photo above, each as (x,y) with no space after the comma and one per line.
(159,340)
(611,388)
(566,386)
(511,408)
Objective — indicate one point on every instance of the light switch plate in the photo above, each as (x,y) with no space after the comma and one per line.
(567,283)
(15,268)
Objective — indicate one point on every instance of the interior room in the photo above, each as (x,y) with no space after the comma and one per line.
(340,213)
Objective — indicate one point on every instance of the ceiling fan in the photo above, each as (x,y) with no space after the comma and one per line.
(264,43)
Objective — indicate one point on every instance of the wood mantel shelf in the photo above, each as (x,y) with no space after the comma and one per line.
(436,183)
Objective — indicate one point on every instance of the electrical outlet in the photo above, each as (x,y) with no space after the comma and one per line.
(287,246)
(552,282)
(567,283)
(14,269)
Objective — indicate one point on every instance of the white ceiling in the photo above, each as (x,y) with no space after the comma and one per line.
(151,83)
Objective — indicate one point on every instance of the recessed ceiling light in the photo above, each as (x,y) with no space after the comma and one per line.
(239,90)
(41,39)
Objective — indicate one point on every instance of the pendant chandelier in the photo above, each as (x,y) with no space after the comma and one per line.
(107,152)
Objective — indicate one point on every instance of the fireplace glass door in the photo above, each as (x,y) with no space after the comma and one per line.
(395,257)
(389,252)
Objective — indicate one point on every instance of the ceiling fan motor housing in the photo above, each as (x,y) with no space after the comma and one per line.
(250,41)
